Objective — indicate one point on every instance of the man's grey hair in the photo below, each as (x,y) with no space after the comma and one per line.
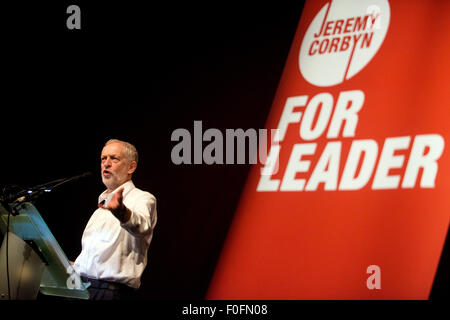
(130,150)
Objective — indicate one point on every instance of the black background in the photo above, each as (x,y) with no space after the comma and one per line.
(137,73)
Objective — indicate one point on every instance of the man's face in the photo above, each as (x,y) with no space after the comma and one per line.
(115,167)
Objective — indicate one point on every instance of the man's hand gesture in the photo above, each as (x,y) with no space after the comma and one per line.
(117,208)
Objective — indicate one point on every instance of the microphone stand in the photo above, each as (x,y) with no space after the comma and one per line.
(33,193)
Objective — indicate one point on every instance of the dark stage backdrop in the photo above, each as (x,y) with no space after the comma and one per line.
(137,73)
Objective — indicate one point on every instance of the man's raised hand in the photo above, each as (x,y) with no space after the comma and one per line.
(116,206)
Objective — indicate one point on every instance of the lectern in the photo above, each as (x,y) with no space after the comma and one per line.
(31,259)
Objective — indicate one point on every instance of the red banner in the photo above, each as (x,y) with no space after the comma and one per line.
(357,205)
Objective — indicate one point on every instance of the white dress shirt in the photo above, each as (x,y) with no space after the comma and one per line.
(115,251)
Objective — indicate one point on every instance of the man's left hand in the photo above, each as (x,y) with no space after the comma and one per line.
(117,208)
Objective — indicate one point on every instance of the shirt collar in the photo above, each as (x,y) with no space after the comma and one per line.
(106,196)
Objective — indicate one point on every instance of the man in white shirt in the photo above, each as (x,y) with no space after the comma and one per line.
(117,237)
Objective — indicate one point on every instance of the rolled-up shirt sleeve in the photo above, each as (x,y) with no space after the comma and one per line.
(143,215)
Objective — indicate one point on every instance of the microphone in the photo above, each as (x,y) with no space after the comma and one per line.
(83,175)
(34,192)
